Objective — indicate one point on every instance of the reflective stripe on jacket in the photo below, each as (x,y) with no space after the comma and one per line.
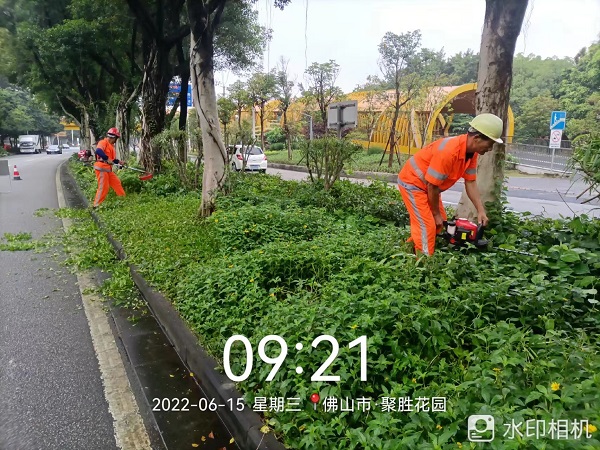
(441,163)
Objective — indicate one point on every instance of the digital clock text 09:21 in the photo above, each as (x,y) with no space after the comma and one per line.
(277,361)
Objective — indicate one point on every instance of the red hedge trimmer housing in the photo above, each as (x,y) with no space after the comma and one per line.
(460,232)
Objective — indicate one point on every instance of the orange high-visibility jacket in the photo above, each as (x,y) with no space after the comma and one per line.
(441,163)
(109,150)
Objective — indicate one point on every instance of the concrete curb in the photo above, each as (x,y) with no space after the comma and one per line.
(243,425)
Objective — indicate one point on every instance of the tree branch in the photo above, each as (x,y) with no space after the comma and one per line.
(140,12)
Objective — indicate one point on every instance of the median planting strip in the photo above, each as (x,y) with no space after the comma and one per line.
(494,333)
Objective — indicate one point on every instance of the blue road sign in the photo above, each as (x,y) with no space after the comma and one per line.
(558,120)
(174,90)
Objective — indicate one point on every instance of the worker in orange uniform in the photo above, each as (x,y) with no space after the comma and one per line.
(106,157)
(437,167)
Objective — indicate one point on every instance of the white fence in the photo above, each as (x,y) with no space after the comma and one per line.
(541,157)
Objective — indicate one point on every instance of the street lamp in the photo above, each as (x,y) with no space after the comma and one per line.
(311,124)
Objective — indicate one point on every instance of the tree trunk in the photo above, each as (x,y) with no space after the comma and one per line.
(155,88)
(85,136)
(122,123)
(262,125)
(502,25)
(392,139)
(286,130)
(205,99)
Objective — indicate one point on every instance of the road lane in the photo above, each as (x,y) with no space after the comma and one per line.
(51,393)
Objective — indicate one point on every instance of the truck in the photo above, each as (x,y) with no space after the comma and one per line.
(30,143)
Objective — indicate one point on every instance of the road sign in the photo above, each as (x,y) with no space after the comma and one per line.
(558,120)
(342,114)
(174,90)
(555,138)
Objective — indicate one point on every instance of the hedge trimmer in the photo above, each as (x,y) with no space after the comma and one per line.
(460,232)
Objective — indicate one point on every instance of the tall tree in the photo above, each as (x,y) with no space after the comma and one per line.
(534,76)
(580,92)
(262,87)
(206,20)
(162,28)
(398,54)
(321,86)
(501,28)
(461,68)
(238,94)
(532,122)
(226,108)
(285,89)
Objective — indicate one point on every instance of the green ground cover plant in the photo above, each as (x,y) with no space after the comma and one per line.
(492,332)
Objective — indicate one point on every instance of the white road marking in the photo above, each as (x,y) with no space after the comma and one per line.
(130,432)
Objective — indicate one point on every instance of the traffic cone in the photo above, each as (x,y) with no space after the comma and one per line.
(16,175)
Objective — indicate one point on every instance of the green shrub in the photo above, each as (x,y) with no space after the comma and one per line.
(277,146)
(131,181)
(275,136)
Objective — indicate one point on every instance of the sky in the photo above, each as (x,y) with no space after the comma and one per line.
(349,31)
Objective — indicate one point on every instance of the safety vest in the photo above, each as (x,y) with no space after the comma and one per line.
(109,150)
(441,163)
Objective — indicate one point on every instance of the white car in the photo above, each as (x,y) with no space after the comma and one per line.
(54,148)
(256,160)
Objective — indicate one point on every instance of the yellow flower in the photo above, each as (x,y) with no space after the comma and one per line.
(438,426)
(497,369)
(305,226)
(354,327)
(459,445)
(591,428)
(260,252)
(230,266)
(414,380)
(555,386)
(251,280)
(216,220)
(272,294)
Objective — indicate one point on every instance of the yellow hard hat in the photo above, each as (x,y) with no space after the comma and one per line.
(489,125)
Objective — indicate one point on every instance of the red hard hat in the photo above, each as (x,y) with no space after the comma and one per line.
(113,132)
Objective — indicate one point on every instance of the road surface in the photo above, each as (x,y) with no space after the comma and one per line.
(51,392)
(550,197)
(72,376)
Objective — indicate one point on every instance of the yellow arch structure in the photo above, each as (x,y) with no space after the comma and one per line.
(428,118)
(457,93)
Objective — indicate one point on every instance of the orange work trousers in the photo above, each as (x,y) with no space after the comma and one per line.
(422,223)
(106,180)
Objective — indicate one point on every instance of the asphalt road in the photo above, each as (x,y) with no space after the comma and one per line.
(51,392)
(549,197)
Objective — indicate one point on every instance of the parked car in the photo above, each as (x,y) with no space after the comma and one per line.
(54,148)
(256,160)
(65,147)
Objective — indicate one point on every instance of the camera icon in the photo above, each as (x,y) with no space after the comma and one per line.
(480,428)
